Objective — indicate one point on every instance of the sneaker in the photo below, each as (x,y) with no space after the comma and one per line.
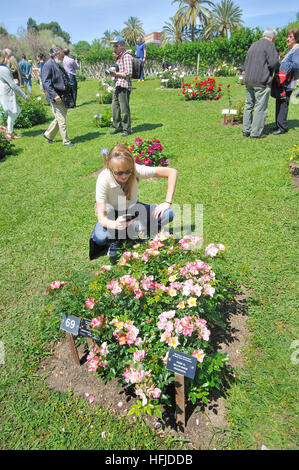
(112,252)
(68,144)
(115,131)
(125,134)
(49,140)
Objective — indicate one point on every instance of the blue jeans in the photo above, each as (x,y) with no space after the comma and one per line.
(145,222)
(142,70)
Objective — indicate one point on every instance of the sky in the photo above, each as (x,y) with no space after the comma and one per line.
(88,19)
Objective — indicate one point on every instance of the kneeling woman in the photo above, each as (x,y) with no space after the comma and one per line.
(117,200)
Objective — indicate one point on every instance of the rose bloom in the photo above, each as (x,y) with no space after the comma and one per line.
(96,322)
(139,355)
(89,303)
(199,354)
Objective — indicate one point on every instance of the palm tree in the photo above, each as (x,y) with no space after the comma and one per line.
(189,12)
(172,32)
(107,37)
(132,30)
(224,16)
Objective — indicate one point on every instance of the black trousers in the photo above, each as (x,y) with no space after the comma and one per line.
(281,111)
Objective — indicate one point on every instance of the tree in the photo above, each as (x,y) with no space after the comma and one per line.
(189,12)
(56,30)
(82,48)
(172,32)
(31,25)
(133,29)
(107,37)
(223,17)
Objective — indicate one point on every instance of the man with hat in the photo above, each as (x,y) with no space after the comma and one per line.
(121,114)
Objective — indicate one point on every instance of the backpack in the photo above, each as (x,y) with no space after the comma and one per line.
(137,66)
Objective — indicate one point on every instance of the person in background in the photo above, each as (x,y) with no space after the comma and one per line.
(286,78)
(40,63)
(54,84)
(8,100)
(13,66)
(260,63)
(117,195)
(121,113)
(141,54)
(71,66)
(26,72)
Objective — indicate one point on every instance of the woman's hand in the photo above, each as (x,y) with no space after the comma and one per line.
(160,209)
(121,223)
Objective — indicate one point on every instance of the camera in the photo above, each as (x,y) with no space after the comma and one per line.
(129,217)
(113,68)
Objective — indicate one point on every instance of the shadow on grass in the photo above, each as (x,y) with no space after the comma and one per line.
(292,124)
(13,153)
(146,127)
(85,137)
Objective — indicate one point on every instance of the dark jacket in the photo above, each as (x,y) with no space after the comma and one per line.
(52,80)
(260,63)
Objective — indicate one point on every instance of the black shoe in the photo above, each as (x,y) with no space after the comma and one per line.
(112,251)
(49,140)
(279,131)
(115,131)
(246,134)
(125,134)
(96,250)
(262,136)
(68,144)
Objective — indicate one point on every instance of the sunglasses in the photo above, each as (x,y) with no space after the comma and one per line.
(121,173)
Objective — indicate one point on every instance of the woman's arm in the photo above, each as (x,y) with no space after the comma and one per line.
(171,174)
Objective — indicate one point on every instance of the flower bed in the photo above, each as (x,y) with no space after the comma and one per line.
(202,90)
(148,152)
(103,120)
(33,112)
(6,146)
(163,294)
(172,77)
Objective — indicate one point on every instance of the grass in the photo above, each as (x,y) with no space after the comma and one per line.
(47,216)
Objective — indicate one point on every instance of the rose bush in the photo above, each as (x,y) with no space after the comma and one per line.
(202,90)
(148,152)
(162,294)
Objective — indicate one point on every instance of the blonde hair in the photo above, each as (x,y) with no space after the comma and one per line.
(121,153)
(3,57)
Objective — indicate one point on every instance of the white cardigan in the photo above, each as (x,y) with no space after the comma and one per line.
(8,90)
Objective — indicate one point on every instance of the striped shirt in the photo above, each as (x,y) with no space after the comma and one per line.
(261,60)
(124,62)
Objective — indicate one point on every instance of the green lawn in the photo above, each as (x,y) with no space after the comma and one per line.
(47,215)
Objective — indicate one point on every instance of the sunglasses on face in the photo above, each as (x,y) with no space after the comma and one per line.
(122,173)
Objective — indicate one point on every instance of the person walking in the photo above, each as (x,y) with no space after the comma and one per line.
(286,81)
(71,66)
(13,66)
(55,82)
(141,54)
(8,100)
(40,63)
(260,63)
(121,114)
(26,72)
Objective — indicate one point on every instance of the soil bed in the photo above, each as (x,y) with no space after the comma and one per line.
(202,423)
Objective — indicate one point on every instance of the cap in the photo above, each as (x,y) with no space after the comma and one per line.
(118,40)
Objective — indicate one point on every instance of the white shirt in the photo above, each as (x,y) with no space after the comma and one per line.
(109,191)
